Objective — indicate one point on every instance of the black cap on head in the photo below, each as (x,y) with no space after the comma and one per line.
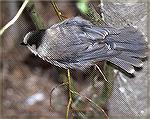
(34,37)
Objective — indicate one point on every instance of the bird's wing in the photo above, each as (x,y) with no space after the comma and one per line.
(82,43)
(86,47)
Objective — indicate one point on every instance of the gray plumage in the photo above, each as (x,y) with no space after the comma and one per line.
(77,43)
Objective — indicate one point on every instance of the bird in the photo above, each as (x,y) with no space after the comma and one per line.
(76,43)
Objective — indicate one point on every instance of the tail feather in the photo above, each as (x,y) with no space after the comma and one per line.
(122,64)
(131,60)
(128,47)
(128,35)
(141,54)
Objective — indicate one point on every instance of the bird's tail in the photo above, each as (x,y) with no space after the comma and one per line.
(132,45)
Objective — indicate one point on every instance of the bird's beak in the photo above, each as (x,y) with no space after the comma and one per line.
(23,44)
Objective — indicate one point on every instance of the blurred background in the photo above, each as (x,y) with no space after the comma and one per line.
(26,80)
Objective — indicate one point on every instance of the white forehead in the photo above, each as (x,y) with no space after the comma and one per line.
(27,36)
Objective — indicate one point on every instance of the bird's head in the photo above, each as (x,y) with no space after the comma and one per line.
(33,40)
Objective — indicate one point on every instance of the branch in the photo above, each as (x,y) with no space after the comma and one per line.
(11,22)
(70,95)
(58,12)
(37,20)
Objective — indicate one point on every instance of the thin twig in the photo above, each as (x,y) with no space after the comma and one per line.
(51,92)
(98,107)
(101,73)
(11,22)
(59,14)
(70,95)
(68,108)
